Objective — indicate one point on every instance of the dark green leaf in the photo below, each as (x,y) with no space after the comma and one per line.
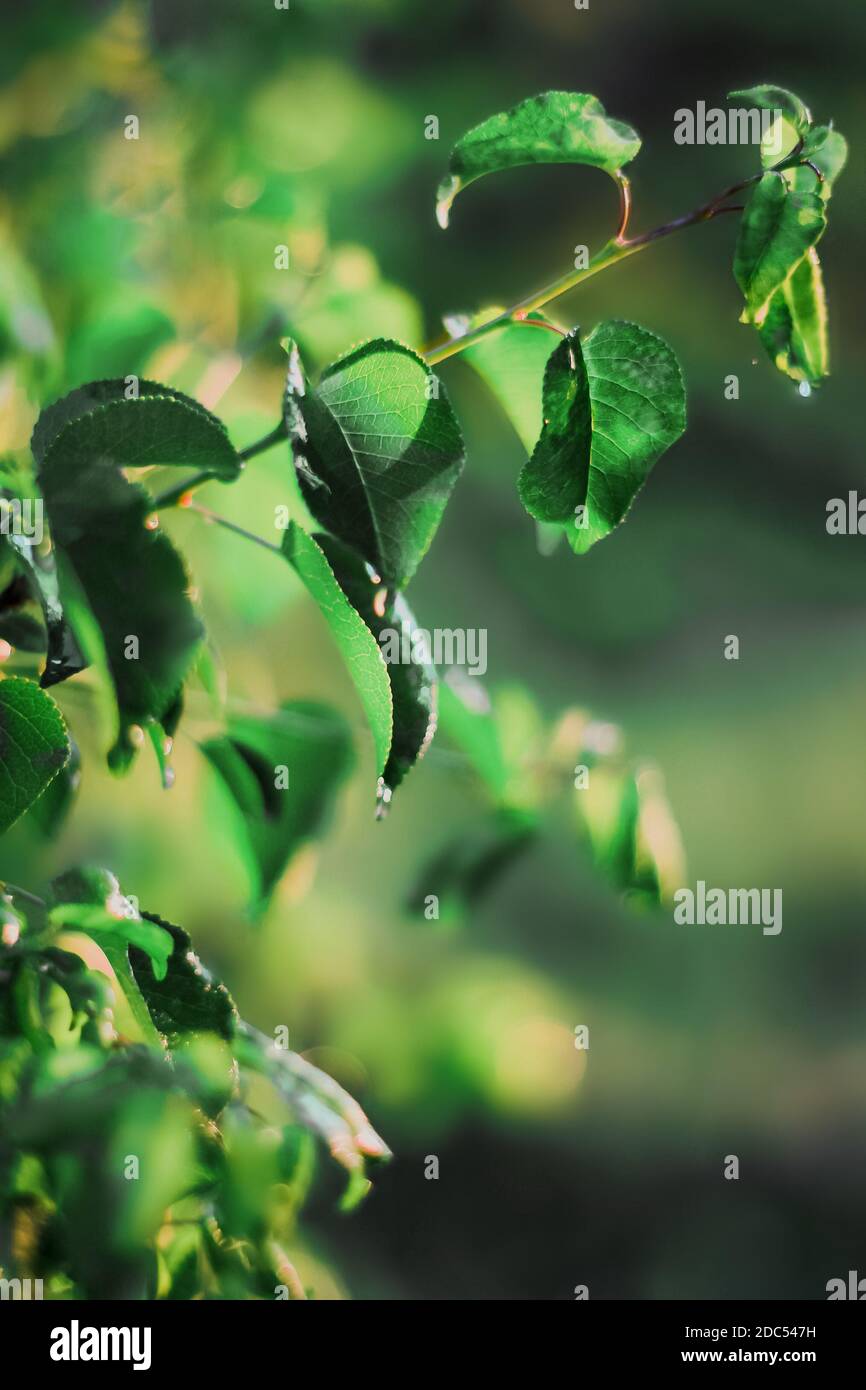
(356,642)
(50,811)
(377,451)
(409,670)
(34,575)
(282,772)
(89,900)
(34,746)
(130,575)
(157,426)
(777,229)
(588,466)
(553,128)
(555,481)
(468,867)
(187,999)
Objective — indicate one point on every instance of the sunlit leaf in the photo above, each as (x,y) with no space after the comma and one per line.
(777,229)
(553,128)
(377,450)
(357,644)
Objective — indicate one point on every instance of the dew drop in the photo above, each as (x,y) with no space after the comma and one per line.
(383,798)
(804,388)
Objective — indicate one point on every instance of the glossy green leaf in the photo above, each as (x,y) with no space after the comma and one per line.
(770,98)
(352,634)
(612,406)
(410,672)
(553,128)
(282,772)
(377,450)
(777,229)
(794,331)
(34,746)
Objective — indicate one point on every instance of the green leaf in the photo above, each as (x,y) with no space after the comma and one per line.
(610,410)
(827,149)
(475,731)
(356,642)
(770,98)
(377,450)
(132,578)
(465,870)
(321,1105)
(49,813)
(158,426)
(633,837)
(36,574)
(555,480)
(511,360)
(777,229)
(553,128)
(34,746)
(282,772)
(410,673)
(794,332)
(90,901)
(187,998)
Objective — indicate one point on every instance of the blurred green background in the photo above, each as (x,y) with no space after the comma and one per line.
(305,127)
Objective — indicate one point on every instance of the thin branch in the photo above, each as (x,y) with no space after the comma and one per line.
(231,526)
(173,495)
(15,892)
(276,434)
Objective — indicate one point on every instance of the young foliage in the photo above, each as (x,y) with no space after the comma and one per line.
(554,128)
(778,229)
